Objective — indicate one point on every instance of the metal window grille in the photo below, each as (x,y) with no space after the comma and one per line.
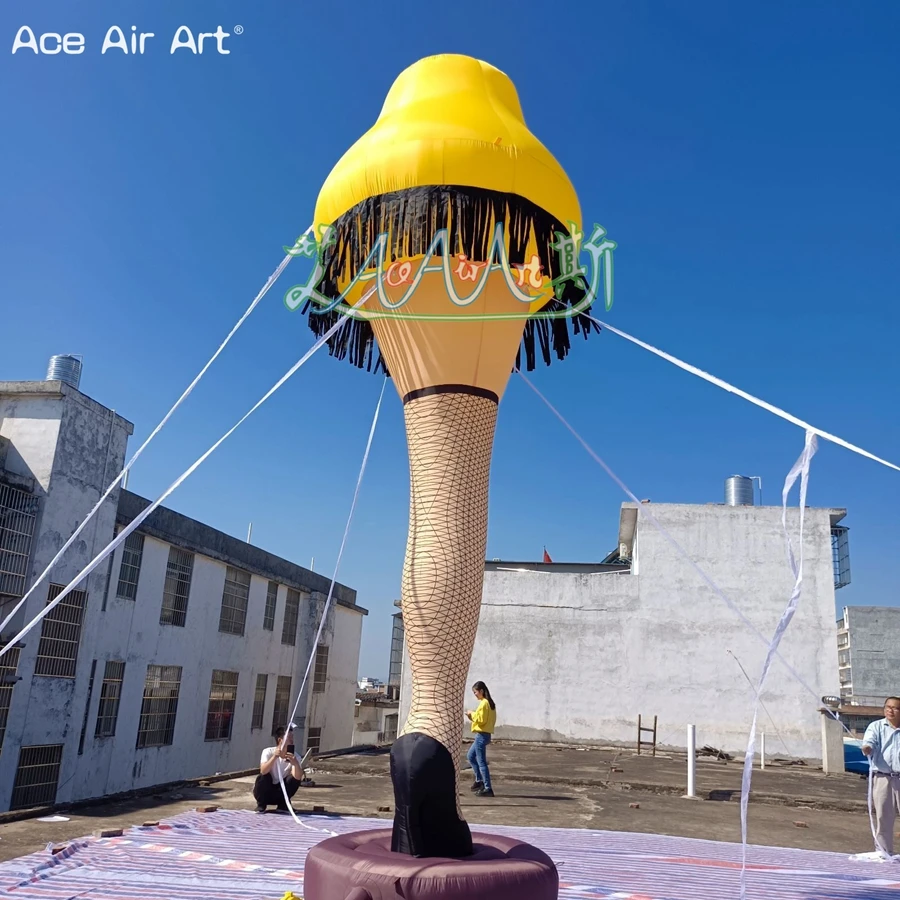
(37,776)
(259,701)
(314,739)
(60,634)
(291,617)
(177,588)
(390,729)
(87,706)
(130,570)
(9,664)
(222,700)
(840,555)
(18,512)
(320,676)
(110,695)
(159,706)
(235,597)
(395,670)
(271,603)
(282,702)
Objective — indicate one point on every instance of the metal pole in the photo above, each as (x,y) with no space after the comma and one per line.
(692,761)
(762,750)
(249,532)
(312,565)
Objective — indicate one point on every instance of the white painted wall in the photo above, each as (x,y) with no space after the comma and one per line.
(575,658)
(332,711)
(70,445)
(60,439)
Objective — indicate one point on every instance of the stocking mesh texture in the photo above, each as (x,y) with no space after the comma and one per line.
(450,438)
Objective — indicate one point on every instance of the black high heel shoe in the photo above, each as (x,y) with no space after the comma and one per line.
(426,823)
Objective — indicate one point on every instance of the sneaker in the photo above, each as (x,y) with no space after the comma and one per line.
(260,808)
(485,793)
(478,786)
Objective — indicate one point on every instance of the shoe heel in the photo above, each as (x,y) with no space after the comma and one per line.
(426,823)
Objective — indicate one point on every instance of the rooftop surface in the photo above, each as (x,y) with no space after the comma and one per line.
(535,786)
(238,855)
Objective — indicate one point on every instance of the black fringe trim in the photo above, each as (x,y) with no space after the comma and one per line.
(412,218)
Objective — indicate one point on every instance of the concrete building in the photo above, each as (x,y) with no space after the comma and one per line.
(868,641)
(176,659)
(574,653)
(376,719)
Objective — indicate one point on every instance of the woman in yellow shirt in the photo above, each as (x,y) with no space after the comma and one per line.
(484,719)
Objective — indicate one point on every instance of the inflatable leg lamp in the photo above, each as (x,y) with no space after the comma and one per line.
(450,212)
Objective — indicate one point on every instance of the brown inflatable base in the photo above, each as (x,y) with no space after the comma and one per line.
(361,866)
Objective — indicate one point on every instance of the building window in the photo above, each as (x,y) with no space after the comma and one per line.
(259,701)
(390,729)
(271,603)
(37,776)
(314,739)
(110,694)
(282,703)
(291,617)
(395,670)
(60,634)
(840,555)
(9,664)
(18,512)
(132,553)
(159,706)
(177,588)
(222,700)
(235,597)
(320,677)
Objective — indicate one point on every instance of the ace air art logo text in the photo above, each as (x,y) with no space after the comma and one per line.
(124,42)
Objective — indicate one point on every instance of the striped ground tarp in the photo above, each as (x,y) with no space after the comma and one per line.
(238,855)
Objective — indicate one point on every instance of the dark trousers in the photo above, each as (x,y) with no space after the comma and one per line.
(268,793)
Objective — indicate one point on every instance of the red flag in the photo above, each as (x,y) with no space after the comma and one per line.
(547,556)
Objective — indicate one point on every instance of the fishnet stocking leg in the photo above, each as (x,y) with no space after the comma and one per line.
(450,438)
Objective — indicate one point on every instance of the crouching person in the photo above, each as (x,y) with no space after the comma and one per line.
(277,761)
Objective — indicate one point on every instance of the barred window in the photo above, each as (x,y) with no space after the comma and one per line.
(130,570)
(159,706)
(37,776)
(110,695)
(177,588)
(259,701)
(291,617)
(235,597)
(222,700)
(282,702)
(18,514)
(314,739)
(271,603)
(9,663)
(60,634)
(320,676)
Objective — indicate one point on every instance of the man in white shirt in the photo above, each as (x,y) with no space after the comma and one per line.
(275,761)
(881,744)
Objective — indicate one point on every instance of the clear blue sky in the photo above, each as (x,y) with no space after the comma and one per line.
(745,159)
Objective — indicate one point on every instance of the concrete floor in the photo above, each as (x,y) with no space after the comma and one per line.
(540,786)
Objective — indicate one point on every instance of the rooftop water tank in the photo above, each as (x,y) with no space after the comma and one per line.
(65,367)
(739,491)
